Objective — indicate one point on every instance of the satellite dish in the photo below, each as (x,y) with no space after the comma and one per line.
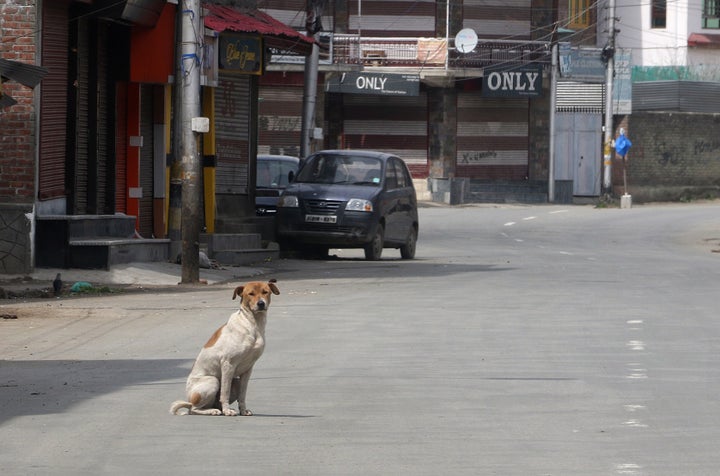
(466,40)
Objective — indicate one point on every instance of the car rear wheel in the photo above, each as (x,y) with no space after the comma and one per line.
(373,250)
(407,251)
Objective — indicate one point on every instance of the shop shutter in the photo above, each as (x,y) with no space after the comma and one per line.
(82,129)
(492,137)
(121,148)
(104,123)
(280,120)
(381,18)
(53,101)
(232,133)
(392,124)
(145,220)
(498,18)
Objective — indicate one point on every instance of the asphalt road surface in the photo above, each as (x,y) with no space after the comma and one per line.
(543,340)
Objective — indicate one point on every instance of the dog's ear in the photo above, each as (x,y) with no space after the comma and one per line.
(273,286)
(238,291)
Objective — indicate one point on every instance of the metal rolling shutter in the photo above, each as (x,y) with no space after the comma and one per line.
(232,133)
(145,219)
(104,124)
(80,177)
(383,18)
(280,120)
(121,144)
(492,137)
(393,124)
(53,101)
(509,19)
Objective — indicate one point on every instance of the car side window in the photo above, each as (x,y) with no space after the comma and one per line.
(400,172)
(391,182)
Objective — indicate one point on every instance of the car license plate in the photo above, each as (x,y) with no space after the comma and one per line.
(321,218)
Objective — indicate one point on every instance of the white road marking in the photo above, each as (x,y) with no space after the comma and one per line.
(636,345)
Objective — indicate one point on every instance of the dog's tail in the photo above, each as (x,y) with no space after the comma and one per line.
(178,404)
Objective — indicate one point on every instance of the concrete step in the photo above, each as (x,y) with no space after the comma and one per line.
(238,248)
(104,252)
(479,191)
(246,256)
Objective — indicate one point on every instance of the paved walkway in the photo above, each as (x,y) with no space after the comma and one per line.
(138,275)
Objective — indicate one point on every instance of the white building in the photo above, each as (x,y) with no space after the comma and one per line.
(670,40)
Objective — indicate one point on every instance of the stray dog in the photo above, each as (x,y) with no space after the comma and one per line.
(222,370)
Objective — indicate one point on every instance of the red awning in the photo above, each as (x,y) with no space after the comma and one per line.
(704,40)
(275,33)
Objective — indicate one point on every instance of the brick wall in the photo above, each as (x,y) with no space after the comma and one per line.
(17,140)
(674,156)
(17,123)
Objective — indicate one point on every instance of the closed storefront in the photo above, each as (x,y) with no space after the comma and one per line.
(280,119)
(232,125)
(393,124)
(492,137)
(53,101)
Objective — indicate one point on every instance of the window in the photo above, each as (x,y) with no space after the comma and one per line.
(658,14)
(579,13)
(711,14)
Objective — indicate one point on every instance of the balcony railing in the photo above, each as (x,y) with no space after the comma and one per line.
(434,52)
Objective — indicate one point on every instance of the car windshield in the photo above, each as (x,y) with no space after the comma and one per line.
(272,173)
(341,169)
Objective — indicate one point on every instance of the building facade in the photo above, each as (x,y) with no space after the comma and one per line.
(675,117)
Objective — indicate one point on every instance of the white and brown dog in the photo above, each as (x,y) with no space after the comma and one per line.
(221,372)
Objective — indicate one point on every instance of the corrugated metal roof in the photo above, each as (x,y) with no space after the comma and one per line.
(276,34)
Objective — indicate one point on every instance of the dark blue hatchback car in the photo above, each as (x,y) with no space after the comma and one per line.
(349,199)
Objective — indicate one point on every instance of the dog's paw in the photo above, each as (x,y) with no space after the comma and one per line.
(230,412)
(215,412)
(246,412)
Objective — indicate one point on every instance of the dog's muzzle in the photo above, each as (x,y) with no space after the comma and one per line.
(261,305)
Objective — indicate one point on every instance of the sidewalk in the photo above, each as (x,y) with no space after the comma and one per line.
(132,275)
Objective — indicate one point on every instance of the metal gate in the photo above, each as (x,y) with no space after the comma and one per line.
(578,152)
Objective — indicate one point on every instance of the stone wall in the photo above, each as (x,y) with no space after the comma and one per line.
(17,140)
(15,234)
(674,156)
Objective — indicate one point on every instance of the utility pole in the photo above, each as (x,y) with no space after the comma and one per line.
(553,106)
(313,14)
(191,172)
(175,205)
(609,56)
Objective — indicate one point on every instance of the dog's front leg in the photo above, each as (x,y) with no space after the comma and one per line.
(226,381)
(242,385)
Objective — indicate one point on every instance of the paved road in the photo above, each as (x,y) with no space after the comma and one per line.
(539,340)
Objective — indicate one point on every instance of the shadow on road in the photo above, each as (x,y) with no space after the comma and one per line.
(42,387)
(386,268)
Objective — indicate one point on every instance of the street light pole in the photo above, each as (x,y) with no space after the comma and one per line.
(190,84)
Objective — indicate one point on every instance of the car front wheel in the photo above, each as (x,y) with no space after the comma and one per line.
(373,250)
(407,251)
